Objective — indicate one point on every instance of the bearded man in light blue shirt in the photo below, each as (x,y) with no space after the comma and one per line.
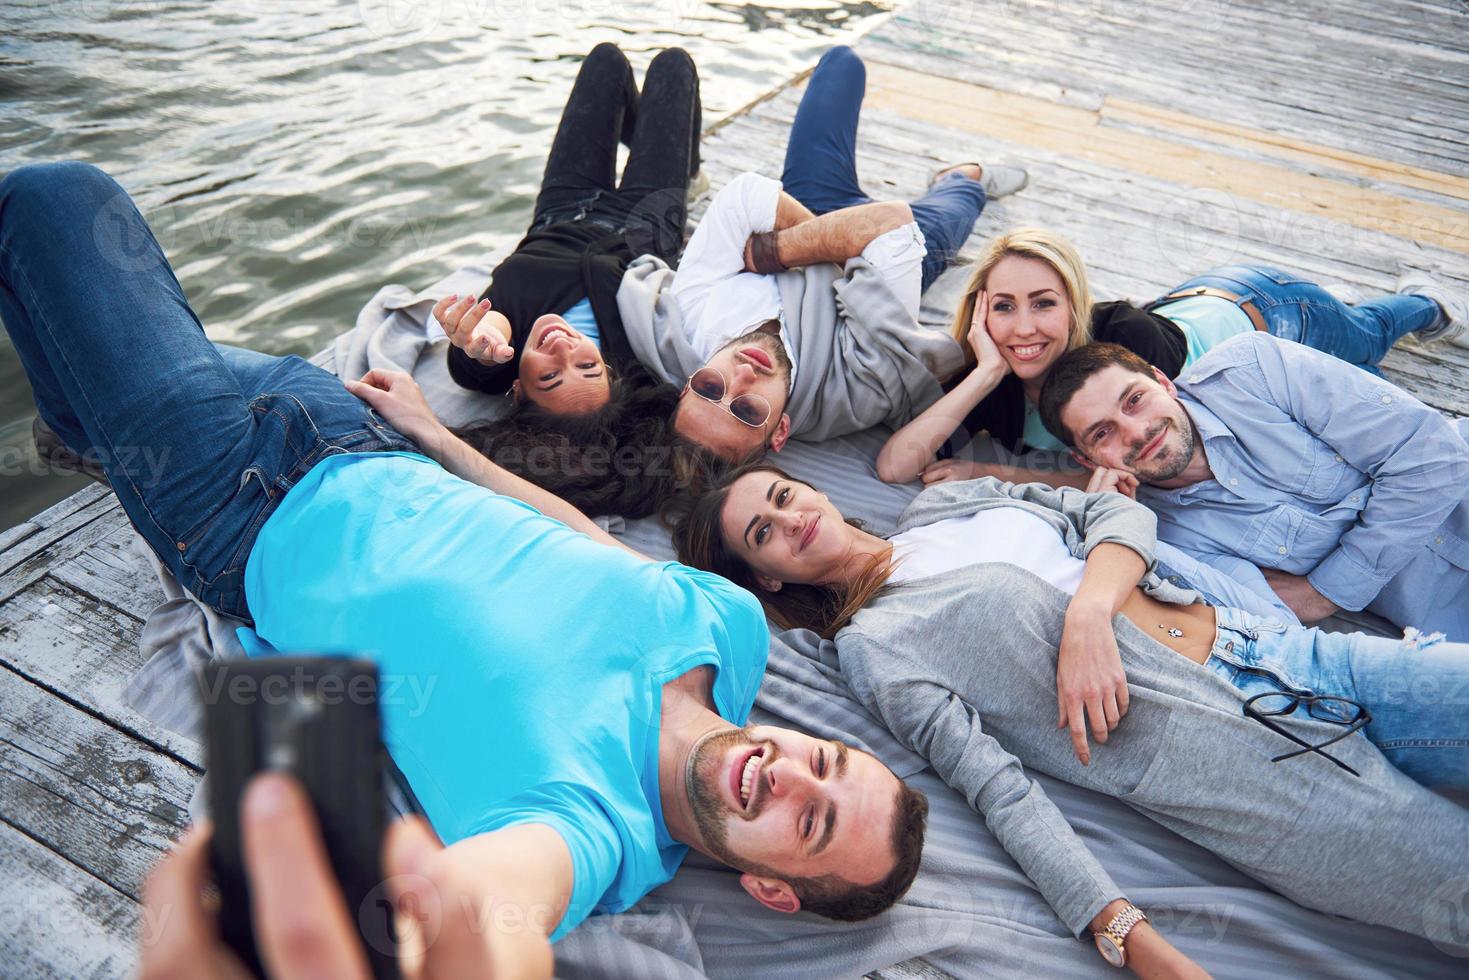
(1347,492)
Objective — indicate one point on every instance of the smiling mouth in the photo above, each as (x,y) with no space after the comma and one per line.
(552,333)
(744,776)
(810,534)
(1153,446)
(758,357)
(1029,352)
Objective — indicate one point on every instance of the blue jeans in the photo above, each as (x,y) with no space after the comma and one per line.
(1300,310)
(1416,690)
(199,441)
(661,128)
(821,163)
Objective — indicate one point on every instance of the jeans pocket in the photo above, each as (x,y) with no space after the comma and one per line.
(221,542)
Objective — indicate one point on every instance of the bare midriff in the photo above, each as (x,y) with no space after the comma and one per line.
(1188,630)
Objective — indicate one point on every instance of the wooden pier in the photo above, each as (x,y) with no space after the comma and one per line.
(1330,137)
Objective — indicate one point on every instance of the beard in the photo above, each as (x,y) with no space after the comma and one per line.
(767,338)
(1170,460)
(701,781)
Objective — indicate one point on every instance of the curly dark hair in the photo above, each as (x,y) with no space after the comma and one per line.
(622,459)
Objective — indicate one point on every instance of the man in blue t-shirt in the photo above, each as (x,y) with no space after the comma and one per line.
(570,713)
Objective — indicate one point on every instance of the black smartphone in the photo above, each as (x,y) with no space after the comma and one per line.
(316,718)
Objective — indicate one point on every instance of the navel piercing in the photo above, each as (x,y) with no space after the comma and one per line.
(1175,633)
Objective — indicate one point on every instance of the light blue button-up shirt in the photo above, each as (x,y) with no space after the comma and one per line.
(1324,470)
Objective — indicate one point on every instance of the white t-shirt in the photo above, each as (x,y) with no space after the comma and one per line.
(1000,534)
(719,301)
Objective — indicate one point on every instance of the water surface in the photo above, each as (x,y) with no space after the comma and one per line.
(294,156)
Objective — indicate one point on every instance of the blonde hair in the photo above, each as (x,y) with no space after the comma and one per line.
(1030,243)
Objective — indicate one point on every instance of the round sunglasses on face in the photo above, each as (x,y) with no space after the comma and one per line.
(710,384)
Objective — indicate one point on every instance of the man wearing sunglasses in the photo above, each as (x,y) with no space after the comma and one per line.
(794,308)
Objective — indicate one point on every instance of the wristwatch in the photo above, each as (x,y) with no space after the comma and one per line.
(1112,941)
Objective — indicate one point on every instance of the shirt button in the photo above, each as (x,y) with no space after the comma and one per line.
(1387,399)
(1280,550)
(1338,458)
(1233,482)
(1194,380)
(1438,540)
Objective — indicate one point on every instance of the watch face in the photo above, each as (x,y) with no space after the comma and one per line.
(1110,951)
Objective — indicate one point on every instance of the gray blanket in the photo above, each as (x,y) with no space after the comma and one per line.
(971,913)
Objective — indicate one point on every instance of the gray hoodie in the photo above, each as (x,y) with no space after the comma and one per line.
(863,358)
(962,669)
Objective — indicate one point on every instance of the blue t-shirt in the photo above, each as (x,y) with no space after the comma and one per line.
(583,320)
(521,663)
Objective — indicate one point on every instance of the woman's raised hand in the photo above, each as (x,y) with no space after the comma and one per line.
(474,328)
(987,354)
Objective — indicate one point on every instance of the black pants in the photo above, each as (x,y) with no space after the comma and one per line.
(661,128)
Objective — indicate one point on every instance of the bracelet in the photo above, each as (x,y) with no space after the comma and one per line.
(764,255)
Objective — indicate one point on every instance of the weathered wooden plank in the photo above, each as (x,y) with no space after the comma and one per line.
(29,559)
(1077,133)
(17,534)
(112,570)
(87,652)
(63,508)
(94,795)
(1257,65)
(58,921)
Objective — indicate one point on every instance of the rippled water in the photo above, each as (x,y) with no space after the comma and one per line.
(294,156)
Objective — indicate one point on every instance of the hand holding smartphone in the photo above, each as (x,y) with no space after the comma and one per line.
(315,718)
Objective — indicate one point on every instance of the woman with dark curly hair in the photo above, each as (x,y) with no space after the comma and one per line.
(547,329)
(622,458)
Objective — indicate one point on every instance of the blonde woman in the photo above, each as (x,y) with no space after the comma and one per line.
(1029,302)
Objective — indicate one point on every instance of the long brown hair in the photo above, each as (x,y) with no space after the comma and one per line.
(699,541)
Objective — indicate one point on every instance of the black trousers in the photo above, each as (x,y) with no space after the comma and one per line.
(661,128)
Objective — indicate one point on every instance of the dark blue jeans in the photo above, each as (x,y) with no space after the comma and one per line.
(821,163)
(1300,310)
(199,441)
(661,127)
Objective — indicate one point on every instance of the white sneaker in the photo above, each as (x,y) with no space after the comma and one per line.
(998,179)
(1415,282)
(1003,179)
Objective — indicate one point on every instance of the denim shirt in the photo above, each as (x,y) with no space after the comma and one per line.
(1320,469)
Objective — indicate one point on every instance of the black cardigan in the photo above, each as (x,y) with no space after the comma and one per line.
(550,271)
(1156,339)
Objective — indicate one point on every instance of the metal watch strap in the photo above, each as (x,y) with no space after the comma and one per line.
(1122,924)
